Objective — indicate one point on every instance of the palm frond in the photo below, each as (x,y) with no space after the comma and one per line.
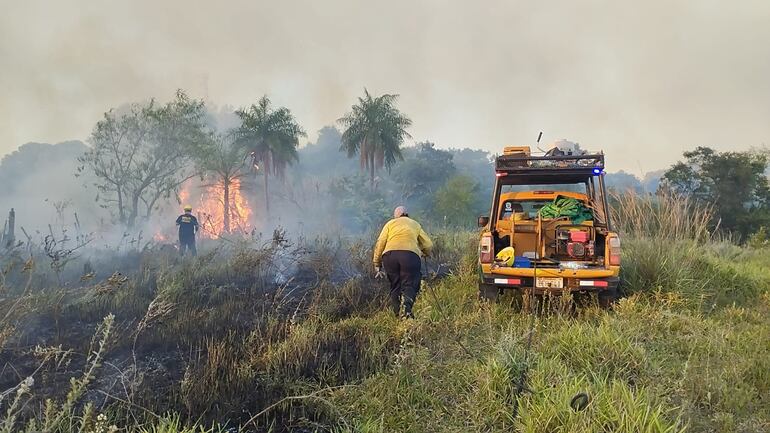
(375,130)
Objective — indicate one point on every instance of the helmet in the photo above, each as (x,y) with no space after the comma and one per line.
(505,256)
(187,207)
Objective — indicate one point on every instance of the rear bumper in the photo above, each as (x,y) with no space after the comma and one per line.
(594,273)
(570,284)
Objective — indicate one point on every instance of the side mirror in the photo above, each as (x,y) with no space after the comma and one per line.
(483,221)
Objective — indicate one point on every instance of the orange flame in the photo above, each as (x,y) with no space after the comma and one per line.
(208,204)
(218,216)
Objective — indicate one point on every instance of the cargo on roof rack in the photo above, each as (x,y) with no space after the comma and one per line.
(520,167)
(520,161)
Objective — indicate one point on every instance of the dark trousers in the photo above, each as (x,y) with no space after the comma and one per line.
(403,269)
(186,243)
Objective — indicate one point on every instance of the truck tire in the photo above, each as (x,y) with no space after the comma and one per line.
(488,293)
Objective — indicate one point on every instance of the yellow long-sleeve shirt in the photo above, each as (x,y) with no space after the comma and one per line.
(403,234)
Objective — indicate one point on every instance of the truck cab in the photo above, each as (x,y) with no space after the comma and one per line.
(551,213)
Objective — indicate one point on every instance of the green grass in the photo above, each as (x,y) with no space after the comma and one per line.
(685,350)
(666,359)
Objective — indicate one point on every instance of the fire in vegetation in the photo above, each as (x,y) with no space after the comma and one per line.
(220,207)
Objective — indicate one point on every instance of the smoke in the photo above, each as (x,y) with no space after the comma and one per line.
(39,183)
(643,80)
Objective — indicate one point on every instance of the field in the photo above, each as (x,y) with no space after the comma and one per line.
(280,334)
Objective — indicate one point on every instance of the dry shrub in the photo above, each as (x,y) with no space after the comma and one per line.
(665,215)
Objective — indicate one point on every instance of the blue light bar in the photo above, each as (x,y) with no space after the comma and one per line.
(598,171)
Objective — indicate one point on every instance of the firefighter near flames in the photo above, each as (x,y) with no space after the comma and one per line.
(188,227)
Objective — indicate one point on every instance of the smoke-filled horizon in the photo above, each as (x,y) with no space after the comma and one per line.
(643,81)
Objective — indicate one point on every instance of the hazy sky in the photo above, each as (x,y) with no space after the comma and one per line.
(643,80)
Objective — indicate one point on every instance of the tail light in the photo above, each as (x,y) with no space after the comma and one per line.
(485,250)
(613,249)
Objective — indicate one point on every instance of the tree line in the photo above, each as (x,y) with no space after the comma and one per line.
(140,156)
(143,154)
(734,185)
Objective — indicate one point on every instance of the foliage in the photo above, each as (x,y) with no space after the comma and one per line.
(760,238)
(456,203)
(425,169)
(143,155)
(477,164)
(272,137)
(358,206)
(622,181)
(374,130)
(733,183)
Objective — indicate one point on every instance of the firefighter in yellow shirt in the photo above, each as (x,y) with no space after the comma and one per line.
(398,250)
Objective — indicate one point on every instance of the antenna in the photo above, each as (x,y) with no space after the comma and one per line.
(539,136)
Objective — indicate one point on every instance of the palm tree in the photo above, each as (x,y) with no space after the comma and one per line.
(271,136)
(375,130)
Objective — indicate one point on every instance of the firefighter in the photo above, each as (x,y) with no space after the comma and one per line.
(188,227)
(398,250)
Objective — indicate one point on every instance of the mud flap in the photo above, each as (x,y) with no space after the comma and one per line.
(488,292)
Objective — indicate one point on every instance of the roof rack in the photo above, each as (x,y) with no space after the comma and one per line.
(555,162)
(522,168)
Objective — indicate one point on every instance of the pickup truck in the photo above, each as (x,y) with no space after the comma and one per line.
(576,251)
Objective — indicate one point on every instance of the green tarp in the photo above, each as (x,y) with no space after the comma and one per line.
(568,207)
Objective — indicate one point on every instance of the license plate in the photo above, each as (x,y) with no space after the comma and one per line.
(549,283)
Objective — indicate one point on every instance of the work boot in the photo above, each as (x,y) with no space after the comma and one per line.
(395,305)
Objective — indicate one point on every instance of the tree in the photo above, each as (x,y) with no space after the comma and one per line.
(734,183)
(456,203)
(374,130)
(144,153)
(271,136)
(224,161)
(424,170)
(622,182)
(479,165)
(358,207)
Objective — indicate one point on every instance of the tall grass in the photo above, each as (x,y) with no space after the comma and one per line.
(204,346)
(669,246)
(665,216)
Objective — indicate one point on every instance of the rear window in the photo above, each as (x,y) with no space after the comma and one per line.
(528,207)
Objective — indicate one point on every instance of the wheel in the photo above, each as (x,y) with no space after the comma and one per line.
(488,292)
(608,297)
